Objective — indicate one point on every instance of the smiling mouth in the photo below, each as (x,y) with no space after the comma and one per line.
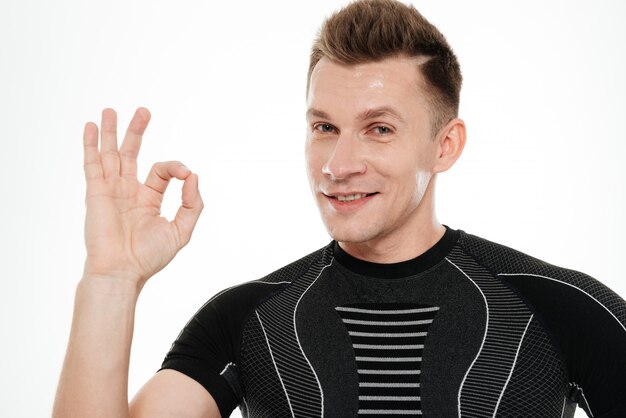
(352,197)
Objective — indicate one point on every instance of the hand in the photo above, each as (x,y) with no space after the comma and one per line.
(125,235)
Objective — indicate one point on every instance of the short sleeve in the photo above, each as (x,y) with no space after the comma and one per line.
(586,319)
(207,348)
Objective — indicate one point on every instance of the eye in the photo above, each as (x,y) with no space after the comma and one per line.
(382,130)
(325,128)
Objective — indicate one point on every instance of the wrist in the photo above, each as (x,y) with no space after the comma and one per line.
(110,285)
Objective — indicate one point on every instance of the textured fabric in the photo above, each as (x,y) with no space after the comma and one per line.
(468,329)
(388,341)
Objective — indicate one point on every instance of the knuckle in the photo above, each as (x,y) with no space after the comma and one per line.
(90,164)
(157,171)
(128,154)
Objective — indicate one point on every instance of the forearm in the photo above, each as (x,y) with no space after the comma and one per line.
(94,379)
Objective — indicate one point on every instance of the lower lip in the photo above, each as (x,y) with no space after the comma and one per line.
(349,205)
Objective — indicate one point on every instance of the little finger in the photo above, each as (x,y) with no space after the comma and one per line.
(91,161)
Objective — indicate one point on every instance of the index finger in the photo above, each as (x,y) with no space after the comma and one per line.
(132,142)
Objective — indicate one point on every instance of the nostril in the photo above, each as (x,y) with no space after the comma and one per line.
(343,170)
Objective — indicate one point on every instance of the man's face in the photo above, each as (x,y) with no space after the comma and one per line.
(369,152)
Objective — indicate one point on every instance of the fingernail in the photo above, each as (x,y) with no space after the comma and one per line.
(185,168)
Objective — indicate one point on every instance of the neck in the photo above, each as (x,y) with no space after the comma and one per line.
(417,236)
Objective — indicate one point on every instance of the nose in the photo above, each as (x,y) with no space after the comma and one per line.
(345,160)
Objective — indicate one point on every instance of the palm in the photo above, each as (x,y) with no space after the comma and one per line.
(124,232)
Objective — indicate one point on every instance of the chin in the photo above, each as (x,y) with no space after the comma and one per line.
(352,233)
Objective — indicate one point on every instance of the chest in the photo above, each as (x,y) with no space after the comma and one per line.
(439,345)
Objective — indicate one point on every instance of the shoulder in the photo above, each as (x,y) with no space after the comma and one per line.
(207,348)
(501,259)
(585,318)
(538,278)
(509,263)
(251,293)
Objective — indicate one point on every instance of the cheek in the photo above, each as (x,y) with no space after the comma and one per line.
(313,158)
(424,169)
(413,177)
(422,179)
(317,152)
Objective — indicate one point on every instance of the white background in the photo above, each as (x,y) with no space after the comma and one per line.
(542,171)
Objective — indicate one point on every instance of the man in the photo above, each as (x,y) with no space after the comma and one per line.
(399,315)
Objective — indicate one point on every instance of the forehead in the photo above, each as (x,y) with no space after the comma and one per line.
(391,82)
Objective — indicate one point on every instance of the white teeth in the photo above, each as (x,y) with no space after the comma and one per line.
(350,197)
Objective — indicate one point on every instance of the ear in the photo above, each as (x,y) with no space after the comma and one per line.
(450,143)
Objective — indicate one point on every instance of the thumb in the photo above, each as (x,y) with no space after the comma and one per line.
(189,211)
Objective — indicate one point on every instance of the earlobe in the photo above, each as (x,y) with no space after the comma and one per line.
(451,141)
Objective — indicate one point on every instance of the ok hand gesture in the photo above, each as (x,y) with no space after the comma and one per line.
(125,235)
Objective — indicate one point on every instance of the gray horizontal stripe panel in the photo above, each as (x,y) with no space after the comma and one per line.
(386,323)
(390,312)
(389,359)
(387,334)
(367,371)
(390,412)
(388,385)
(390,398)
(390,347)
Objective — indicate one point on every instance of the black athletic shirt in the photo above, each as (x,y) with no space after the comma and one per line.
(470,328)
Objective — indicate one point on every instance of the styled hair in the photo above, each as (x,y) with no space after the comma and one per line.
(373,30)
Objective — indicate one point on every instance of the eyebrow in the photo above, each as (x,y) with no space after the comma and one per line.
(380,111)
(365,115)
(315,113)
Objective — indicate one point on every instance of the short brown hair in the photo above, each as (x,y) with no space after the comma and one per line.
(372,30)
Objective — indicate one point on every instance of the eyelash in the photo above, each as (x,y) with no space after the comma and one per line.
(389,130)
(376,127)
(318,125)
